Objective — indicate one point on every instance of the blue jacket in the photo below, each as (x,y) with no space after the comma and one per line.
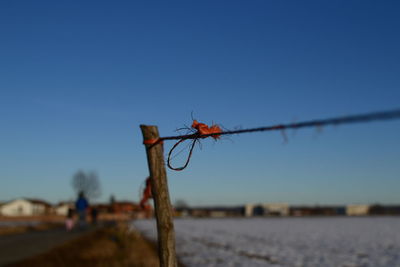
(81,204)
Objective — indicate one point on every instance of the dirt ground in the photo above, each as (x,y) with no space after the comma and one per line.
(19,229)
(17,246)
(105,246)
(41,218)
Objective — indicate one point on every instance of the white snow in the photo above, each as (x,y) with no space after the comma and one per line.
(329,241)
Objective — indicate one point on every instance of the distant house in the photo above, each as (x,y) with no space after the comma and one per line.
(63,207)
(25,207)
(118,207)
(266,209)
(357,210)
(216,212)
(318,211)
(125,207)
(384,209)
(102,208)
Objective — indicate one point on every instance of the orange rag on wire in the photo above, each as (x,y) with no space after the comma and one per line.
(203,128)
(146,195)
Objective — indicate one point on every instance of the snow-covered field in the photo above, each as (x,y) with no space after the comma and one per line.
(339,241)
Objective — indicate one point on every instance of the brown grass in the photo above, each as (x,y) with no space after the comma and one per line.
(112,246)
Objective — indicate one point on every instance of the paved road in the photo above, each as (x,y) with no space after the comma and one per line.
(20,246)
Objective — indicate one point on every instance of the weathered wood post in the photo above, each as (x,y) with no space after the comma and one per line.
(162,203)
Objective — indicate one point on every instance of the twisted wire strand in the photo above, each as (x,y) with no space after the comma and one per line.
(359,118)
(369,117)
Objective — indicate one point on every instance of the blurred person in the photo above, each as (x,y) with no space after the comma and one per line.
(93,215)
(81,205)
(69,222)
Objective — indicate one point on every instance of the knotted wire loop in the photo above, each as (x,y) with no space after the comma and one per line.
(188,158)
(203,131)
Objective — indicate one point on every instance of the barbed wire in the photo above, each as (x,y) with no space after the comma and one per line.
(359,118)
(369,117)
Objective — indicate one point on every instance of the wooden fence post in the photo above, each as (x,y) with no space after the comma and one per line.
(162,203)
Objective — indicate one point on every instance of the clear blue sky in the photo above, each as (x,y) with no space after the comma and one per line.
(77,78)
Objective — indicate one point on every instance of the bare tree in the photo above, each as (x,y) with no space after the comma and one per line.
(88,183)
